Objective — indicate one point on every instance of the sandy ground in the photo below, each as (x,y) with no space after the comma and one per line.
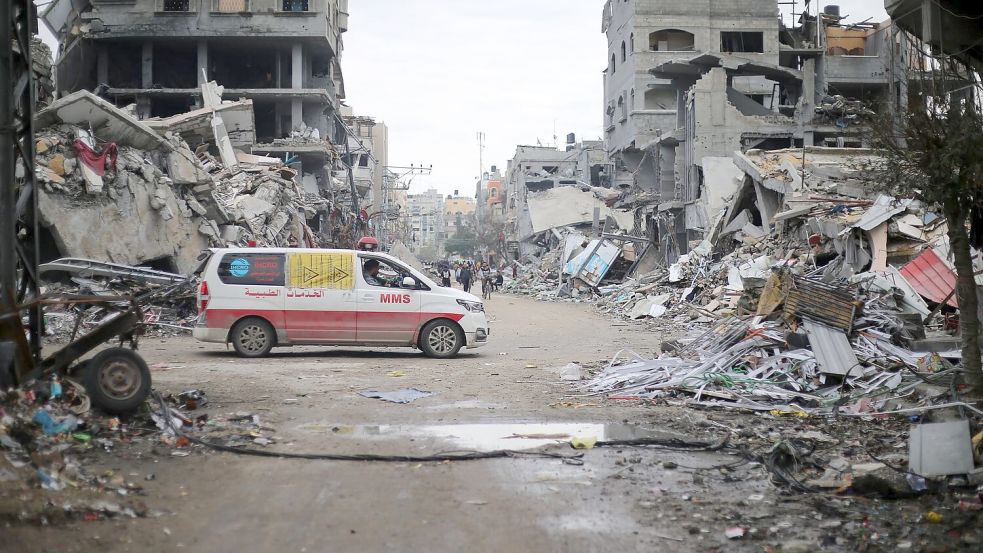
(618,499)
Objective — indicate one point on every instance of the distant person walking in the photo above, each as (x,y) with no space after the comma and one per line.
(445,276)
(466,277)
(484,273)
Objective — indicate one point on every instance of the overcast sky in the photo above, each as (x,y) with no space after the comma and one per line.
(439,71)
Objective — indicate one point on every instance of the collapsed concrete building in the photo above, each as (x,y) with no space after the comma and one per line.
(274,161)
(545,187)
(689,84)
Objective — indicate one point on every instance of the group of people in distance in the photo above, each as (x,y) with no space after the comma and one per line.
(466,273)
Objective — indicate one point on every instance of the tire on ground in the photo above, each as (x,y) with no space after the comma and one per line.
(441,338)
(117,380)
(253,337)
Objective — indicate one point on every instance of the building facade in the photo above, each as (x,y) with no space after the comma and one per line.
(459,213)
(687,84)
(277,65)
(425,212)
(538,169)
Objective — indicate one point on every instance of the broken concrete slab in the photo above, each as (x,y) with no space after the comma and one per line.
(568,205)
(108,122)
(940,449)
(196,126)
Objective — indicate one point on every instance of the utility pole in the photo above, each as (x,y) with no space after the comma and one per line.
(481,153)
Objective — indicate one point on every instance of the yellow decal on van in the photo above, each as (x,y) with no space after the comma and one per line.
(322,270)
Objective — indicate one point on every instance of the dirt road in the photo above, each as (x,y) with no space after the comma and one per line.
(506,395)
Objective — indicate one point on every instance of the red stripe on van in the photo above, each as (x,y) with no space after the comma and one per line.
(225,318)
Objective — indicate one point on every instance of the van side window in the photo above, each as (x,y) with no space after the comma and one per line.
(265,269)
(376,272)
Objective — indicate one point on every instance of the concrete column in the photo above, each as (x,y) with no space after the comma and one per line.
(296,83)
(102,65)
(203,75)
(297,66)
(680,106)
(146,79)
(147,65)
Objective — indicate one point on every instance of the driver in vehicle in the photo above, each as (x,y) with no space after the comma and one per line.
(371,272)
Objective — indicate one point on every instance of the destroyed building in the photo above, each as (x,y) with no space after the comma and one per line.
(367,153)
(689,84)
(533,181)
(426,225)
(283,55)
(244,135)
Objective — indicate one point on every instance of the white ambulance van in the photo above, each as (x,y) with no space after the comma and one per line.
(258,298)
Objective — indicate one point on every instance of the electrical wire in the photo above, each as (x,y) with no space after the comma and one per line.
(675,444)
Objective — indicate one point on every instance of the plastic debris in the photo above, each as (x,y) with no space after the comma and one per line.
(405,395)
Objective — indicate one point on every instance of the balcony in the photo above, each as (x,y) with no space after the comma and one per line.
(856,69)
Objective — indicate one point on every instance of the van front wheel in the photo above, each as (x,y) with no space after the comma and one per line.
(253,337)
(441,339)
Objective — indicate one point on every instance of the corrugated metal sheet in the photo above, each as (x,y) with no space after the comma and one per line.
(883,209)
(822,302)
(929,275)
(834,354)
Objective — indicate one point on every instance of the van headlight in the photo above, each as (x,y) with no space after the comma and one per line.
(472,306)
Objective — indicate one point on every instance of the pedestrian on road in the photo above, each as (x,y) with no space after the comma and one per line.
(465,278)
(484,273)
(445,276)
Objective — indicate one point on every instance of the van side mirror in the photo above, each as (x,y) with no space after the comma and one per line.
(409,282)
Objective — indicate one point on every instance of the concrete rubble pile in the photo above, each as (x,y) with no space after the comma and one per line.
(810,295)
(168,300)
(52,441)
(114,188)
(815,297)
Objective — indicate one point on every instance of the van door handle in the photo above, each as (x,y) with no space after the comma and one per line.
(368,298)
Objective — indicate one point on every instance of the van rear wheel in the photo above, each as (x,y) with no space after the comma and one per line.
(441,339)
(253,337)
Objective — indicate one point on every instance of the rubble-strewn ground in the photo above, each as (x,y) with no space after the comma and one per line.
(619,499)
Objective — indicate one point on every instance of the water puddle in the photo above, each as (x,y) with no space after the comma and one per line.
(486,437)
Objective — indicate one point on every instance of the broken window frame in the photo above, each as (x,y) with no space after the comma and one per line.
(654,41)
(742,42)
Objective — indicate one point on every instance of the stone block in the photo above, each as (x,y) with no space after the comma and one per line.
(57,164)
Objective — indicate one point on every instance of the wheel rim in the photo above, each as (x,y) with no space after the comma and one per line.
(119,379)
(442,339)
(253,338)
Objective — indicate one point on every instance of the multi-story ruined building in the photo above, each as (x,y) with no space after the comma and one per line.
(284,55)
(426,223)
(367,152)
(490,198)
(538,169)
(689,83)
(277,60)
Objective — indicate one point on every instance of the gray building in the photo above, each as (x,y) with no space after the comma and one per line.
(284,55)
(688,84)
(537,169)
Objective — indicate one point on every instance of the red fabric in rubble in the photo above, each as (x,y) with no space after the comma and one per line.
(96,161)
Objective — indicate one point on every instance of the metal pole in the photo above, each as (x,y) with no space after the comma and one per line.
(8,215)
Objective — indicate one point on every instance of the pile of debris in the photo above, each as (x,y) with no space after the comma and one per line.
(115,188)
(168,300)
(50,438)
